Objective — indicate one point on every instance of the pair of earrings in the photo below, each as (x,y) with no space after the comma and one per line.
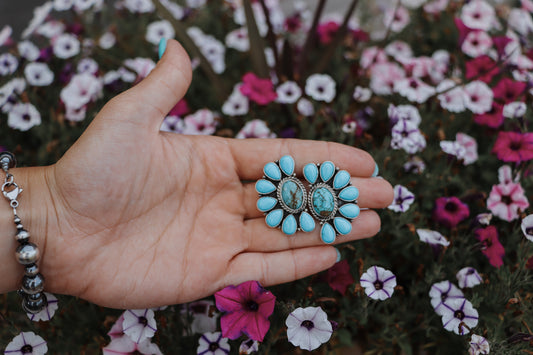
(290,205)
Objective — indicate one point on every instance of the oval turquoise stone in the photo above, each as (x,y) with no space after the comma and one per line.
(311,173)
(264,187)
(292,195)
(289,225)
(349,210)
(341,179)
(342,225)
(349,193)
(307,223)
(273,219)
(326,170)
(265,204)
(286,164)
(327,233)
(323,202)
(272,171)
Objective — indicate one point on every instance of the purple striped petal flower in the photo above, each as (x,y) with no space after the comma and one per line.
(308,327)
(26,343)
(139,324)
(403,198)
(213,343)
(48,312)
(441,292)
(468,277)
(378,282)
(459,316)
(478,345)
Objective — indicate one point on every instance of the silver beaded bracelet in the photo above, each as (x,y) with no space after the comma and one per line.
(33,298)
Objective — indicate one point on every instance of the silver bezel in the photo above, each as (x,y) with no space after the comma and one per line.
(304,195)
(335,201)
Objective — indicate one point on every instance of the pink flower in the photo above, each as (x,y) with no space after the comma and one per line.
(508,90)
(326,31)
(505,200)
(476,43)
(492,248)
(492,118)
(449,211)
(180,109)
(260,91)
(247,308)
(338,276)
(478,14)
(482,68)
(514,146)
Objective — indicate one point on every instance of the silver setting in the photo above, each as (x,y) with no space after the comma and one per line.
(320,218)
(280,197)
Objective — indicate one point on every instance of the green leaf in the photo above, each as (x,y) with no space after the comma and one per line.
(257,46)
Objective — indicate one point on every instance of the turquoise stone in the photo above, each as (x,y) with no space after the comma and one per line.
(323,202)
(349,210)
(286,164)
(327,233)
(307,223)
(342,225)
(264,187)
(265,204)
(292,195)
(273,219)
(311,173)
(327,169)
(341,179)
(349,193)
(289,225)
(272,171)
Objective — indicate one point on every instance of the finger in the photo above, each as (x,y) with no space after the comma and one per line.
(251,155)
(373,193)
(260,237)
(284,266)
(150,101)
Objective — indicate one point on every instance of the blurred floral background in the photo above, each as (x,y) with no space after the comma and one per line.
(438,91)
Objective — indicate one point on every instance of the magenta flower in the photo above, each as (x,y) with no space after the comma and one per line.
(507,90)
(505,200)
(492,118)
(483,68)
(514,146)
(449,211)
(247,308)
(491,246)
(339,277)
(326,31)
(260,91)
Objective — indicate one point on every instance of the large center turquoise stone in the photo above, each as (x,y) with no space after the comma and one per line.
(323,202)
(292,195)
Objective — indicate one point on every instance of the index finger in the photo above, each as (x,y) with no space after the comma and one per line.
(251,155)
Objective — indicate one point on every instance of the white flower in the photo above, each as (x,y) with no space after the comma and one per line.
(204,318)
(378,283)
(158,30)
(124,345)
(453,148)
(468,277)
(139,6)
(407,113)
(321,87)
(248,346)
(288,93)
(195,3)
(396,20)
(515,109)
(527,227)
(51,29)
(82,89)
(26,343)
(362,94)
(415,165)
(255,129)
(478,345)
(399,50)
(107,40)
(238,40)
(23,116)
(372,56)
(451,97)
(308,327)
(520,21)
(87,65)
(436,6)
(9,91)
(63,5)
(236,105)
(175,10)
(414,89)
(82,5)
(403,198)
(172,124)
(38,74)
(442,291)
(470,147)
(305,107)
(48,312)
(75,114)
(478,98)
(476,43)
(201,122)
(432,237)
(478,14)
(407,136)
(28,50)
(5,34)
(142,66)
(383,76)
(213,344)
(8,64)
(349,127)
(40,13)
(459,316)
(66,46)
(139,324)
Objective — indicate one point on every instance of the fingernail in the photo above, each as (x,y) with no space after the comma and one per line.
(339,256)
(162,47)
(376,171)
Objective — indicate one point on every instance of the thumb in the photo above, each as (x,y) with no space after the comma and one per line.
(152,99)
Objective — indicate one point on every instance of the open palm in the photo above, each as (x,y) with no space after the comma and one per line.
(147,218)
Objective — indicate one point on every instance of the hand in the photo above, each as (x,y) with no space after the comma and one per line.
(143,218)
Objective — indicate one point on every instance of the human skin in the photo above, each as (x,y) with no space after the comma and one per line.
(132,217)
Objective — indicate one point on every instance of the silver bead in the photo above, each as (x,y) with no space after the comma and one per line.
(33,284)
(7,160)
(31,270)
(20,226)
(34,305)
(17,219)
(27,253)
(22,236)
